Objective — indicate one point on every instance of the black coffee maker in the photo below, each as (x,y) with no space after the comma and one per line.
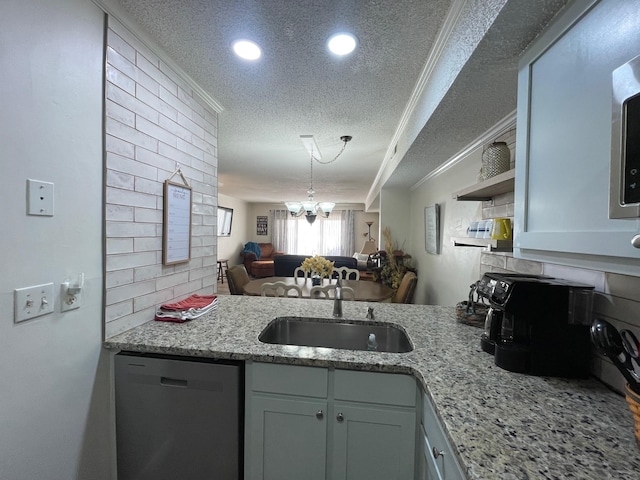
(537,325)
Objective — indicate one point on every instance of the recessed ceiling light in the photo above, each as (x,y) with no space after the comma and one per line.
(247,49)
(341,43)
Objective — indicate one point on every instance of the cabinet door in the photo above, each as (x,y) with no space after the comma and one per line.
(288,439)
(369,443)
(438,453)
(427,463)
(564,141)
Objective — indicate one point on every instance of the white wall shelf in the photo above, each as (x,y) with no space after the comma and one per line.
(489,188)
(486,190)
(490,244)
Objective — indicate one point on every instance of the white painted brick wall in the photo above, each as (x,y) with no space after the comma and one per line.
(154,121)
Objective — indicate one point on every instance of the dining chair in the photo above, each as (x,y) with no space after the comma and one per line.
(347,273)
(277,287)
(299,270)
(237,278)
(329,291)
(407,287)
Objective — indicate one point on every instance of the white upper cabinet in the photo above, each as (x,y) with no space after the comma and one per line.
(564,142)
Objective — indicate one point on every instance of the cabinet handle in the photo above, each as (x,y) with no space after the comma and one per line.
(635,241)
(437,453)
(319,414)
(340,417)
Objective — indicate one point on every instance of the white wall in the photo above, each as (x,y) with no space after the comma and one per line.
(229,248)
(54,410)
(362,229)
(260,210)
(444,279)
(396,215)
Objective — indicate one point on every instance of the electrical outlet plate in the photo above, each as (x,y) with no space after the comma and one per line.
(69,301)
(40,198)
(30,302)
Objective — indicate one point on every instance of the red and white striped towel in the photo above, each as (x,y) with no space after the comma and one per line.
(194,301)
(192,307)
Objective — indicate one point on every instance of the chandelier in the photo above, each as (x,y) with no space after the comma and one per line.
(310,208)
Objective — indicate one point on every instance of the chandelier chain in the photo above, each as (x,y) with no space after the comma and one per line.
(311,191)
(344,145)
(310,207)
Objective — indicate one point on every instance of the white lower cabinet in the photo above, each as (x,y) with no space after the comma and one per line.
(317,423)
(372,443)
(288,439)
(436,458)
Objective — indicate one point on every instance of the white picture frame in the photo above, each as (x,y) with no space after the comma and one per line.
(225,221)
(177,223)
(432,229)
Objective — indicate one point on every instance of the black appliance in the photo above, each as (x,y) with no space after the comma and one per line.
(493,322)
(537,325)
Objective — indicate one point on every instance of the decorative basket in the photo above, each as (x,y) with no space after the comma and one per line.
(496,159)
(633,399)
(474,314)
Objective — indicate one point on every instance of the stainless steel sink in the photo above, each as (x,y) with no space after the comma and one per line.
(331,333)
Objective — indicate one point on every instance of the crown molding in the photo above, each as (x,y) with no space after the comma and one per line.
(441,41)
(112,8)
(502,126)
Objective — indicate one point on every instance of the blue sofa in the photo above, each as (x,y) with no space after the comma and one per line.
(284,265)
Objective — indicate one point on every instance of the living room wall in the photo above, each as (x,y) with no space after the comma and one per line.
(393,215)
(229,248)
(361,217)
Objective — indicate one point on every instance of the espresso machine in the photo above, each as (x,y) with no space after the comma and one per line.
(537,325)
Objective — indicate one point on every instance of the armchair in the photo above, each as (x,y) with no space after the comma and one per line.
(263,266)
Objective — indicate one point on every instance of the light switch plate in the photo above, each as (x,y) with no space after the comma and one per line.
(39,198)
(30,302)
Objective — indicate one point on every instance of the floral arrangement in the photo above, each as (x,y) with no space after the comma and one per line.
(395,264)
(317,266)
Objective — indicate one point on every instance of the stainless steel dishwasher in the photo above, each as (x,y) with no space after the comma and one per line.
(178,418)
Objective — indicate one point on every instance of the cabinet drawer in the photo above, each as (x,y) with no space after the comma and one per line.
(289,379)
(435,440)
(375,387)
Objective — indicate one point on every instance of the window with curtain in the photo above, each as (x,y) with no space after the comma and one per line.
(327,236)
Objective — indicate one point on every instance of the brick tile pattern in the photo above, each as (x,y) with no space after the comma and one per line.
(153,121)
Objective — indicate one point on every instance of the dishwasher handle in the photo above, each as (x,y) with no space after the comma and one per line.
(174,382)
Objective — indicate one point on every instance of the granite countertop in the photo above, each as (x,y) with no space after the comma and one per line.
(505,425)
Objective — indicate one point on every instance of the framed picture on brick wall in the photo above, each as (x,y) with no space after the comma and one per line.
(176,242)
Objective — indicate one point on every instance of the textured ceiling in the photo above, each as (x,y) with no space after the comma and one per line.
(483,93)
(298,88)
